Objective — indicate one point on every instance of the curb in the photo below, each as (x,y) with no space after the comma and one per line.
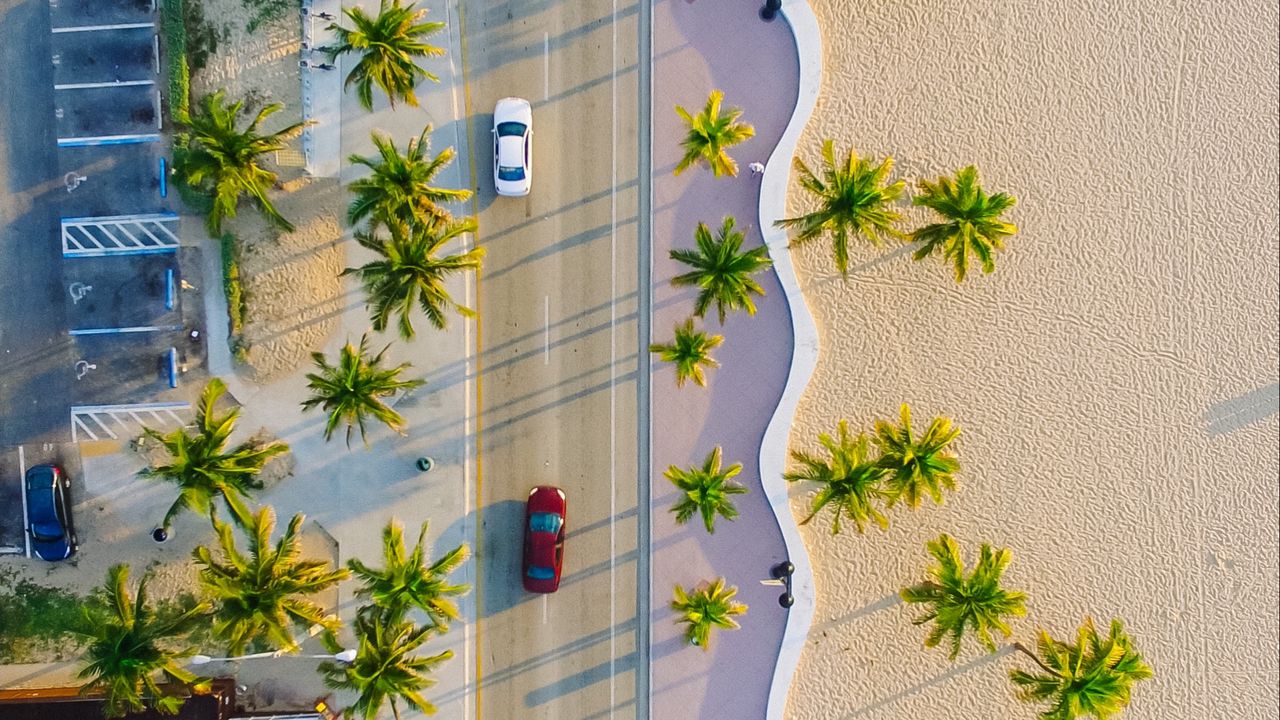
(773,450)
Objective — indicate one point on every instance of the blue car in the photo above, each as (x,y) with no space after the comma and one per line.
(49,513)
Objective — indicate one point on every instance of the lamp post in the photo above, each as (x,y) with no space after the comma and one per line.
(345,656)
(782,571)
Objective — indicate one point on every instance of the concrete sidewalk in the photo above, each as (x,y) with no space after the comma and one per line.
(699,47)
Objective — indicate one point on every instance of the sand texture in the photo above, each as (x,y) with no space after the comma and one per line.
(259,67)
(291,280)
(1115,379)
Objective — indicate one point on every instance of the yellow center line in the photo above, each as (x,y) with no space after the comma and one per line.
(479,374)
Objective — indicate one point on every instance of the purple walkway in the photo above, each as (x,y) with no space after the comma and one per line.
(701,45)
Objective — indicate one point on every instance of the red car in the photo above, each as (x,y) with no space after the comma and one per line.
(543,539)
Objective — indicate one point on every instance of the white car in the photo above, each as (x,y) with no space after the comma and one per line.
(512,147)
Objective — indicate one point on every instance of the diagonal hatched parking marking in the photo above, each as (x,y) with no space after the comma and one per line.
(99,422)
(119,235)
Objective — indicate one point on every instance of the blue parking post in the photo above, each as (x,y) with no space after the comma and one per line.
(164,179)
(173,367)
(168,289)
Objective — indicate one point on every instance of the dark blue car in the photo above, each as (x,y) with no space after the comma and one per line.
(49,513)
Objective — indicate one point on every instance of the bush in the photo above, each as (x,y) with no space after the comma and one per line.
(175,42)
(35,619)
(234,290)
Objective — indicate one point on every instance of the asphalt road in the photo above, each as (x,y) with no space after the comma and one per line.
(35,351)
(559,352)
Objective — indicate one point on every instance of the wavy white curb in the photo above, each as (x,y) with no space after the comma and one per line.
(804,356)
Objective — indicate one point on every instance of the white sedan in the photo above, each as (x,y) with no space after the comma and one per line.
(512,147)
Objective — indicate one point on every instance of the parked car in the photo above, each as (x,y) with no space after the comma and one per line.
(513,147)
(543,539)
(53,537)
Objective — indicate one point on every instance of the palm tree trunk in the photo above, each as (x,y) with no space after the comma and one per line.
(1027,651)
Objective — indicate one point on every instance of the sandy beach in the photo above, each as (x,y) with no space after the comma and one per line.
(1115,378)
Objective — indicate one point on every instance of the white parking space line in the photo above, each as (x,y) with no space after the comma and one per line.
(93,28)
(546,329)
(22,490)
(613,369)
(546,65)
(544,609)
(113,83)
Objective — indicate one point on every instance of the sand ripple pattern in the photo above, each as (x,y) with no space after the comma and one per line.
(1116,378)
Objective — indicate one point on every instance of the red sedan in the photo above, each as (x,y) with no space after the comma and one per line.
(543,539)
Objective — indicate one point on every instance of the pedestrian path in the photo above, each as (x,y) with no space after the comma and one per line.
(321,90)
(758,72)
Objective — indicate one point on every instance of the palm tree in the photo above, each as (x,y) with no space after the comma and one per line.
(721,271)
(690,350)
(710,132)
(410,273)
(853,199)
(706,607)
(224,163)
(956,602)
(352,389)
(202,466)
(706,491)
(384,668)
(917,466)
(388,44)
(129,644)
(972,226)
(259,594)
(850,479)
(400,185)
(406,581)
(1091,678)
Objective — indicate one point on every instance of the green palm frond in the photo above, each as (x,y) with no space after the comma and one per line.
(224,162)
(706,607)
(850,480)
(917,466)
(131,649)
(958,603)
(689,351)
(259,595)
(1092,678)
(853,200)
(971,226)
(352,389)
(410,272)
(386,667)
(406,581)
(388,44)
(202,466)
(707,490)
(710,133)
(720,271)
(399,188)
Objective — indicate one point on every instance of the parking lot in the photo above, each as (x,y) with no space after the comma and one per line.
(99,333)
(126,55)
(14,462)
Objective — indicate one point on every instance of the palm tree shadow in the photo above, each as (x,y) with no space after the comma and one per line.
(883,603)
(1235,413)
(873,708)
(866,266)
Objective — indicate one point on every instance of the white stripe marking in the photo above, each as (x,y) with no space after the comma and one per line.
(613,364)
(114,83)
(91,28)
(26,521)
